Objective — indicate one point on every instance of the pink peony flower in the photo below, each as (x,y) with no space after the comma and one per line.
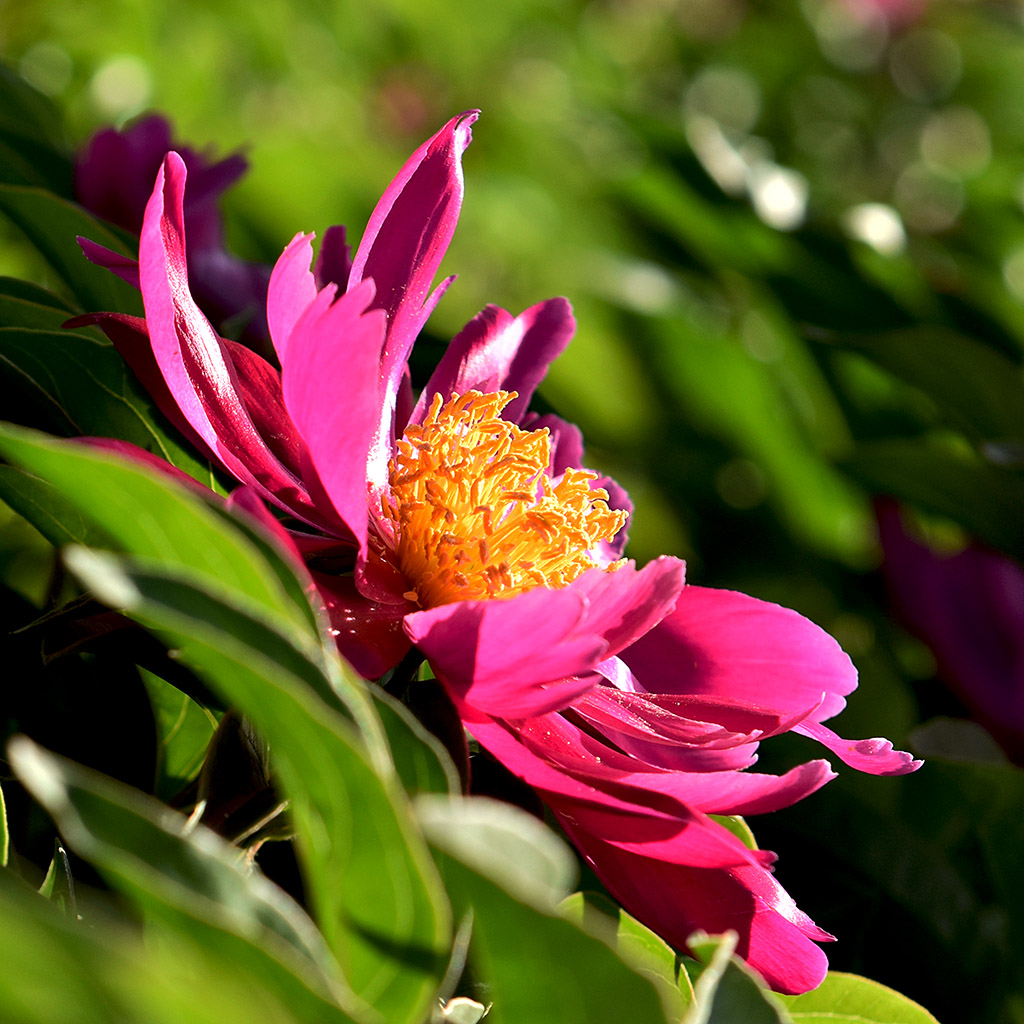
(458,522)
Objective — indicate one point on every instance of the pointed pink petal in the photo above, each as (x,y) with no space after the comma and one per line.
(291,290)
(369,635)
(193,361)
(874,756)
(401,250)
(721,643)
(496,352)
(331,390)
(123,266)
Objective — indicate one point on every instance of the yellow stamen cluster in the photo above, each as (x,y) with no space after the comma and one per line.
(475,513)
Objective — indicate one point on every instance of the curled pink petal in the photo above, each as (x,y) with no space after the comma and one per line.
(511,658)
(874,756)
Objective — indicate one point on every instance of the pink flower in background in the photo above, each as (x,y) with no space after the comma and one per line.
(458,522)
(968,608)
(113,179)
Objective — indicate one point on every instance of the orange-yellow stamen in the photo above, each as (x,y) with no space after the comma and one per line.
(475,513)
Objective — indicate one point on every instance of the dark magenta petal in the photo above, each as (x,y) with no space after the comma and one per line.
(123,266)
(968,608)
(498,352)
(334,260)
(874,756)
(194,363)
(331,390)
(405,240)
(721,643)
(511,658)
(570,748)
(290,292)
(369,635)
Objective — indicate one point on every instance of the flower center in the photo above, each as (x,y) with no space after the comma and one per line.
(476,514)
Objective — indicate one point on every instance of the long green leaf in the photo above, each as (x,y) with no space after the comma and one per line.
(76,383)
(368,872)
(52,224)
(539,966)
(188,878)
(849,999)
(155,518)
(60,969)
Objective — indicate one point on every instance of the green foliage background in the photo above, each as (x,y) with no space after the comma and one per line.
(753,387)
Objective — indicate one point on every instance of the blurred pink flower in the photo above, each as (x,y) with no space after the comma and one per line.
(462,524)
(113,178)
(968,608)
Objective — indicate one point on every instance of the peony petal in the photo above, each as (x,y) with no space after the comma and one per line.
(123,266)
(718,642)
(405,240)
(624,604)
(194,363)
(330,382)
(369,635)
(498,352)
(775,937)
(334,260)
(290,292)
(511,658)
(874,756)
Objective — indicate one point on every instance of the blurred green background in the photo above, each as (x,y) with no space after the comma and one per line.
(758,210)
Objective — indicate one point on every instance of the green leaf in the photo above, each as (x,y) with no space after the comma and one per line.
(980,389)
(189,879)
(52,224)
(59,969)
(184,731)
(738,827)
(648,953)
(389,923)
(15,288)
(155,518)
(849,999)
(28,112)
(56,518)
(727,991)
(536,964)
(76,383)
(984,499)
(420,759)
